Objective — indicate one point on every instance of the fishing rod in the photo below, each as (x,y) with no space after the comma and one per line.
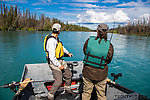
(112,31)
(17,87)
(24,82)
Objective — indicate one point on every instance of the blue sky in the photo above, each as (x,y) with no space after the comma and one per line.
(87,11)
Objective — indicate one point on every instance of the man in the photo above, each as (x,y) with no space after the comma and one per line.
(55,51)
(98,53)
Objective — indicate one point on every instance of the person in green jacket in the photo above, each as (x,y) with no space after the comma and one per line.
(98,53)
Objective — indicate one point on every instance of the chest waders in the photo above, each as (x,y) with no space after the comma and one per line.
(96,53)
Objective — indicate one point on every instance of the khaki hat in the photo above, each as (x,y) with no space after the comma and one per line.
(56,27)
(102,27)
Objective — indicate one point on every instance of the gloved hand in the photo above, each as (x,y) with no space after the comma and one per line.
(70,54)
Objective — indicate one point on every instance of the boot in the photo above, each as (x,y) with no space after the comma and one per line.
(71,93)
(50,96)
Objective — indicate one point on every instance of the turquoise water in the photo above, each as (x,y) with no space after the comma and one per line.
(131,57)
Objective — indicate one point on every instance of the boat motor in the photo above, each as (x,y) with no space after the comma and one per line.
(116,76)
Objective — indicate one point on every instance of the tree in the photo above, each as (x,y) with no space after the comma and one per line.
(1,9)
(13,19)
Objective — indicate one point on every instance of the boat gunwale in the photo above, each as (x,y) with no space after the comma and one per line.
(115,85)
(24,73)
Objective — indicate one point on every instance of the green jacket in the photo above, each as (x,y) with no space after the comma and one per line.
(96,53)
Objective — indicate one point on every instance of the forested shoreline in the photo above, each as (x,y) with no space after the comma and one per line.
(138,27)
(13,19)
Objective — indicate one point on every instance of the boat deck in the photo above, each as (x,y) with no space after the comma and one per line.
(41,73)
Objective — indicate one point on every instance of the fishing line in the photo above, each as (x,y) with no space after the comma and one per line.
(112,32)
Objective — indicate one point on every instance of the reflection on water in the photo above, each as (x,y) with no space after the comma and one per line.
(131,56)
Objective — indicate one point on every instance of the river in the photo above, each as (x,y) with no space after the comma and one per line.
(131,57)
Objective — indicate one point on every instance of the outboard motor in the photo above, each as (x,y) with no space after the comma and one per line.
(116,76)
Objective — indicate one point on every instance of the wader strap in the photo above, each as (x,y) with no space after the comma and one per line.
(87,55)
(95,56)
(48,60)
(95,63)
(59,58)
(102,60)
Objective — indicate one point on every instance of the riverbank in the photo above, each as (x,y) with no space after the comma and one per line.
(134,34)
(140,28)
(30,30)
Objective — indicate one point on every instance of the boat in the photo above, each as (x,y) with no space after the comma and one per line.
(37,79)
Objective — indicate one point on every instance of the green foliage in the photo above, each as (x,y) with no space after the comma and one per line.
(141,27)
(31,29)
(12,19)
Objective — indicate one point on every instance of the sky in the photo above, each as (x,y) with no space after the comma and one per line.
(88,13)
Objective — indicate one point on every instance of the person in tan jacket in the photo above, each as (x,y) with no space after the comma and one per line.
(55,53)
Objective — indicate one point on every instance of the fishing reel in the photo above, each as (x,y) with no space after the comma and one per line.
(116,76)
(71,66)
(13,86)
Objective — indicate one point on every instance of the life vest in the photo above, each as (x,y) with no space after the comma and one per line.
(59,53)
(96,53)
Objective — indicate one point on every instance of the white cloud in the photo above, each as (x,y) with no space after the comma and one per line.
(68,14)
(91,16)
(42,2)
(84,5)
(139,3)
(62,7)
(136,12)
(97,8)
(90,5)
(19,1)
(7,0)
(145,16)
(41,11)
(129,4)
(110,1)
(48,13)
(124,12)
(120,16)
(22,1)
(85,0)
(72,22)
(133,9)
(49,1)
(37,8)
